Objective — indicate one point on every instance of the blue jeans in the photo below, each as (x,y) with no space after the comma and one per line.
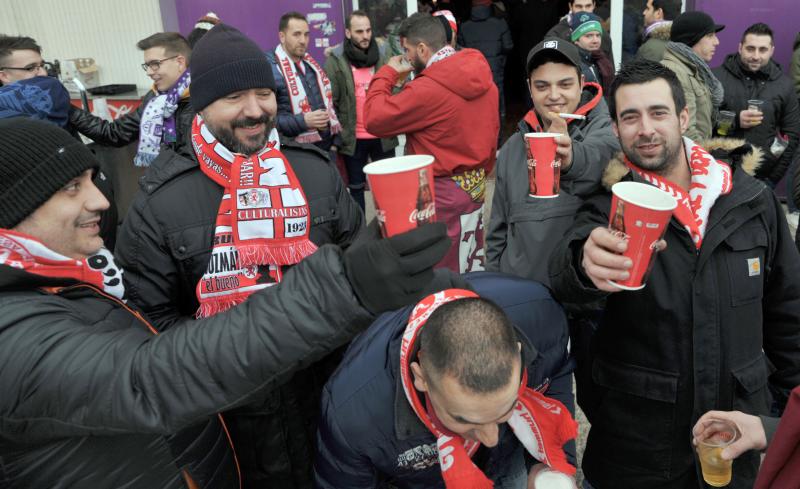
(366,149)
(514,474)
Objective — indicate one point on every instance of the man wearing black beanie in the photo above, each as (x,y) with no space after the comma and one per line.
(693,40)
(205,233)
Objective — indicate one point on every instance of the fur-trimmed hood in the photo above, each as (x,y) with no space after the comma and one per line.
(750,162)
(661,32)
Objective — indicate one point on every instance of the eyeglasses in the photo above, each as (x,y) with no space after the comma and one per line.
(156,63)
(31,68)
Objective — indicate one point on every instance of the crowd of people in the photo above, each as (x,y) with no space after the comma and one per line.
(244,326)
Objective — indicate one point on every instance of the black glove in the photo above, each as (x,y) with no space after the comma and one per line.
(387,274)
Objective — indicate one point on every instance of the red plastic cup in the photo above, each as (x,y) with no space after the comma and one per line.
(640,213)
(544,169)
(402,189)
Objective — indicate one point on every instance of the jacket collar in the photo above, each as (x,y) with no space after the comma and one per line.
(406,423)
(733,63)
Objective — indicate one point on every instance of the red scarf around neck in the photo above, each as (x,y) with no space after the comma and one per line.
(710,179)
(263,221)
(543,425)
(26,253)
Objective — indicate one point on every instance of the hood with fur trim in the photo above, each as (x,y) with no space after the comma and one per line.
(750,161)
(661,32)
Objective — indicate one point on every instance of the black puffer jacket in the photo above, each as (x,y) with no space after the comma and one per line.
(491,36)
(91,399)
(125,130)
(781,110)
(165,245)
(715,328)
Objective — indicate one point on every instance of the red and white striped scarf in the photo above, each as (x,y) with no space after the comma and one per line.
(263,220)
(543,425)
(27,253)
(298,96)
(710,179)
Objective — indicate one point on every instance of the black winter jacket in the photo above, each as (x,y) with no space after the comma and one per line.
(712,329)
(165,245)
(781,110)
(564,31)
(125,130)
(92,399)
(491,36)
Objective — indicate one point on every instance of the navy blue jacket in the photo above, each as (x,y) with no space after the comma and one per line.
(291,124)
(368,434)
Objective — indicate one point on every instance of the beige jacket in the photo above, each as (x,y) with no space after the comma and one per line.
(698,96)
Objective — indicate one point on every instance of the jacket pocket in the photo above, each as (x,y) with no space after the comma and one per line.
(751,394)
(745,263)
(636,417)
(191,248)
(323,210)
(535,226)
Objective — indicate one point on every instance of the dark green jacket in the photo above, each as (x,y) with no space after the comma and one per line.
(340,74)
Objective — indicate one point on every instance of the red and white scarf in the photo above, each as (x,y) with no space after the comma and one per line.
(26,253)
(263,220)
(441,54)
(710,179)
(297,92)
(543,425)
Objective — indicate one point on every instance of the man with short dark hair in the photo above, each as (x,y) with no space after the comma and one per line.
(449,111)
(522,231)
(350,67)
(20,59)
(752,74)
(563,29)
(429,398)
(305,98)
(164,117)
(693,41)
(658,16)
(204,233)
(717,324)
(91,395)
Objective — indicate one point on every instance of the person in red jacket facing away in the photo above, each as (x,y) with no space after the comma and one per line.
(449,111)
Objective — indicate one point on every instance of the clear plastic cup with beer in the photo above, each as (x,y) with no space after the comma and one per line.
(716,436)
(725,122)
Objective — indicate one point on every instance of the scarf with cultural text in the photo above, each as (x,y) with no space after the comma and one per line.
(543,425)
(262,224)
(158,121)
(710,179)
(298,96)
(27,253)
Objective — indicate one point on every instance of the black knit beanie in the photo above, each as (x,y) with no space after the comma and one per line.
(690,27)
(36,160)
(226,61)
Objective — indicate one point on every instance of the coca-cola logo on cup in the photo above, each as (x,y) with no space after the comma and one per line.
(425,215)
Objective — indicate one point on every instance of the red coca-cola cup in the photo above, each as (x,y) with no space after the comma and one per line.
(402,189)
(544,168)
(640,214)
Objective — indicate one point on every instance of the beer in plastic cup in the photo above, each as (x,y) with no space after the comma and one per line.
(640,214)
(755,104)
(402,189)
(725,122)
(544,168)
(552,479)
(717,435)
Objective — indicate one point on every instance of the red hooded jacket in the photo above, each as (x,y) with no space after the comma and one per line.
(781,466)
(450,111)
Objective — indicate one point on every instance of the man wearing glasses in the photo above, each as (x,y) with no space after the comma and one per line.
(20,59)
(165,115)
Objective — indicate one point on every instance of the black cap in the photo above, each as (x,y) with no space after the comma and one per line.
(689,27)
(37,159)
(566,49)
(226,61)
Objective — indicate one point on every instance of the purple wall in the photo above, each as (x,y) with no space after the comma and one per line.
(259,19)
(738,15)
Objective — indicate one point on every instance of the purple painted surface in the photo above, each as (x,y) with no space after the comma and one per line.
(259,19)
(738,15)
